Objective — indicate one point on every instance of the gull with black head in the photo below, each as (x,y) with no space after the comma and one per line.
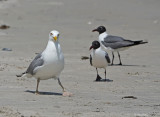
(99,59)
(115,43)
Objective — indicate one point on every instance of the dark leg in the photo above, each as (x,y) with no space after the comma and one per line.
(112,58)
(107,80)
(105,75)
(98,77)
(38,80)
(59,82)
(119,58)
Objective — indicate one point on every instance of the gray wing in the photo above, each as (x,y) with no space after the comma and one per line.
(118,44)
(113,39)
(91,60)
(107,58)
(38,61)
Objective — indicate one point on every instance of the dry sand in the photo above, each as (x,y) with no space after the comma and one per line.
(30,22)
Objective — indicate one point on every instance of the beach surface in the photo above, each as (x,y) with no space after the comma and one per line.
(28,23)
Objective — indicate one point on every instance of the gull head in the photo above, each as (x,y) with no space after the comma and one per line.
(100,29)
(54,35)
(95,45)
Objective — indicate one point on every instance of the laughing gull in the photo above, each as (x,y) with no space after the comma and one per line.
(99,58)
(115,43)
(49,63)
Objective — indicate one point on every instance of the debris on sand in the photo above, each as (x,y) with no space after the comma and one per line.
(84,57)
(4,26)
(136,73)
(6,49)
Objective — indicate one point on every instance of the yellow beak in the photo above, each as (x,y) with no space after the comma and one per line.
(55,38)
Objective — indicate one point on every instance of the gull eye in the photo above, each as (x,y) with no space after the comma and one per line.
(51,34)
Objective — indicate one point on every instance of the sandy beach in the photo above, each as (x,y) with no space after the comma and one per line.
(30,22)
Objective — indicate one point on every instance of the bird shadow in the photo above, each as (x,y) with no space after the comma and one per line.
(45,93)
(104,80)
(128,65)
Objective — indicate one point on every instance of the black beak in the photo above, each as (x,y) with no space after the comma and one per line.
(94,30)
(90,47)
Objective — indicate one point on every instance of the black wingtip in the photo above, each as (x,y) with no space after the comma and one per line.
(140,42)
(20,75)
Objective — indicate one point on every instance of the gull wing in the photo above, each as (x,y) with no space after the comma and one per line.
(38,61)
(107,58)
